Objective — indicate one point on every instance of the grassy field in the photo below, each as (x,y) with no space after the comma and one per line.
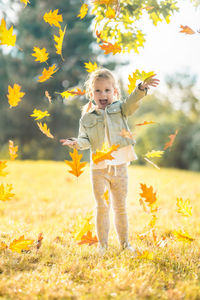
(49,200)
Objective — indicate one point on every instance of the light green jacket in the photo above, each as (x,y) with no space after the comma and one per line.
(94,124)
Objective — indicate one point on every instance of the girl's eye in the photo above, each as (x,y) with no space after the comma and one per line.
(107,90)
(96,90)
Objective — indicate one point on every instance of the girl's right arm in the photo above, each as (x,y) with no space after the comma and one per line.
(69,142)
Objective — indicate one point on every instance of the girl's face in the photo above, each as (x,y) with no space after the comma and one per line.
(103,92)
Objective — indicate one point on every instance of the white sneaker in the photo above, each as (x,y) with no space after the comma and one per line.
(129,248)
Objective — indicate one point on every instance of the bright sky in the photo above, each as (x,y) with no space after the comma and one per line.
(167,51)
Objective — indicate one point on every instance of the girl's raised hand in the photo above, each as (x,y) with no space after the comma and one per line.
(150,81)
(69,142)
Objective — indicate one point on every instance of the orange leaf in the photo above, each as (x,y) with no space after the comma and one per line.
(172,138)
(5,192)
(78,92)
(88,239)
(145,123)
(46,74)
(48,96)
(45,130)
(111,48)
(147,193)
(12,150)
(75,164)
(186,29)
(14,95)
(20,244)
(105,153)
(3,165)
(53,18)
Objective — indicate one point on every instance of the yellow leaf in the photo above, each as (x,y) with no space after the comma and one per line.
(14,95)
(105,197)
(67,94)
(25,2)
(40,54)
(183,236)
(83,11)
(154,153)
(20,244)
(3,165)
(45,130)
(82,226)
(110,13)
(137,75)
(75,164)
(145,255)
(12,150)
(3,246)
(38,114)
(104,153)
(183,207)
(6,37)
(153,221)
(59,41)
(46,74)
(5,192)
(53,18)
(91,67)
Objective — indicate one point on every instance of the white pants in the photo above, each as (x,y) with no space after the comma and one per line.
(115,179)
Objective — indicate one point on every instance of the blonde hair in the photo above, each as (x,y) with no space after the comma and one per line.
(89,85)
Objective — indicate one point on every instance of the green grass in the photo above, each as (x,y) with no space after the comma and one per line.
(49,200)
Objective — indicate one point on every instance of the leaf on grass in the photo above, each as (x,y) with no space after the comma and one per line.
(3,246)
(14,95)
(5,192)
(137,75)
(153,221)
(20,244)
(12,150)
(83,11)
(40,54)
(48,96)
(88,239)
(104,153)
(183,236)
(45,129)
(53,18)
(154,153)
(172,138)
(145,255)
(59,41)
(126,134)
(145,123)
(186,29)
(46,74)
(183,207)
(110,13)
(105,197)
(39,241)
(82,226)
(90,67)
(75,165)
(152,163)
(25,2)
(3,165)
(6,35)
(38,114)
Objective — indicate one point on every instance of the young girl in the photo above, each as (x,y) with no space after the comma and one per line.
(102,123)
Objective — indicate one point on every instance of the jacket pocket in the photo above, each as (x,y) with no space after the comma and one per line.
(114,110)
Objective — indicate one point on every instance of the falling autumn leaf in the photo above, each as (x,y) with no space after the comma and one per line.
(154,153)
(12,150)
(83,11)
(20,244)
(75,165)
(126,134)
(145,123)
(53,18)
(77,92)
(186,29)
(88,239)
(184,207)
(137,75)
(172,138)
(67,94)
(105,197)
(45,129)
(82,226)
(48,96)
(104,153)
(111,48)
(6,36)
(38,114)
(91,67)
(3,165)
(39,241)
(5,192)
(46,74)
(14,95)
(59,41)
(40,54)
(149,196)
(25,2)
(183,236)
